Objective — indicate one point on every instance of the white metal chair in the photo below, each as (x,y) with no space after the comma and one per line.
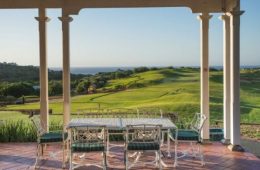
(154,112)
(191,135)
(88,139)
(45,138)
(117,134)
(143,138)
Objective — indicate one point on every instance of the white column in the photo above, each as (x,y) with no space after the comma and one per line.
(44,102)
(204,71)
(226,77)
(235,77)
(66,19)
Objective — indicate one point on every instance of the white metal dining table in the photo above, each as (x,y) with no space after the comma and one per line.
(121,123)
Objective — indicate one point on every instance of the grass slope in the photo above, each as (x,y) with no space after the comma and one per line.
(175,90)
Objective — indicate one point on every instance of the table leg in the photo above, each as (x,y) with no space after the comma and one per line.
(168,144)
(108,143)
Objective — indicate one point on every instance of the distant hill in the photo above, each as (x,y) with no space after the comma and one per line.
(171,89)
(11,72)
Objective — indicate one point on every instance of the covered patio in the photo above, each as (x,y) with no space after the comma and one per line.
(217,156)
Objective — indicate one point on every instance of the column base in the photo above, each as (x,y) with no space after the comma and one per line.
(225,141)
(206,141)
(236,148)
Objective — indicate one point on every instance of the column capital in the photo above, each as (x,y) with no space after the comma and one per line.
(204,16)
(42,19)
(224,17)
(235,13)
(65,19)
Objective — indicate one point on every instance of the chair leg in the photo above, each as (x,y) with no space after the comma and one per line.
(67,150)
(201,155)
(42,148)
(126,160)
(192,150)
(37,156)
(104,161)
(156,159)
(175,154)
(159,159)
(63,155)
(71,164)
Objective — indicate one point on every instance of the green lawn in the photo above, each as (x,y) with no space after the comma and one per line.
(176,90)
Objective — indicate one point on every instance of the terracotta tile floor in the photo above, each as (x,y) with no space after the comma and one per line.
(19,156)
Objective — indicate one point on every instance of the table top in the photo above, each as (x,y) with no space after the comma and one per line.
(121,123)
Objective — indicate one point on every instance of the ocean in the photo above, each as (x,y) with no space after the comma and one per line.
(92,70)
(95,70)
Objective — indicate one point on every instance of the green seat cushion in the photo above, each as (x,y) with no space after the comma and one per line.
(119,131)
(186,135)
(52,137)
(216,131)
(216,134)
(87,147)
(143,146)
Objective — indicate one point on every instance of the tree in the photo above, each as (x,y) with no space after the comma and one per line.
(55,88)
(17,89)
(141,69)
(119,74)
(83,86)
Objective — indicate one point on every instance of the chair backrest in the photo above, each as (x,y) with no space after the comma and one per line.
(198,122)
(88,134)
(38,125)
(143,133)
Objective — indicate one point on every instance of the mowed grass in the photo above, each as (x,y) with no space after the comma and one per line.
(175,90)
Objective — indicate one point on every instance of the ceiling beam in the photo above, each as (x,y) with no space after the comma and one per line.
(196,6)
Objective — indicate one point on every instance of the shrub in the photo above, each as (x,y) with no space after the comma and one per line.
(135,85)
(83,86)
(118,87)
(17,89)
(55,88)
(22,131)
(17,131)
(8,99)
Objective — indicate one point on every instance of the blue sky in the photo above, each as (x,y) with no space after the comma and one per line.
(126,37)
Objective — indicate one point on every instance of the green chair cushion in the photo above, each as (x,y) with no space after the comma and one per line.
(52,137)
(216,134)
(119,131)
(184,134)
(216,130)
(87,147)
(143,146)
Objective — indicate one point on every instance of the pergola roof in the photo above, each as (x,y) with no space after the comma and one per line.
(74,6)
